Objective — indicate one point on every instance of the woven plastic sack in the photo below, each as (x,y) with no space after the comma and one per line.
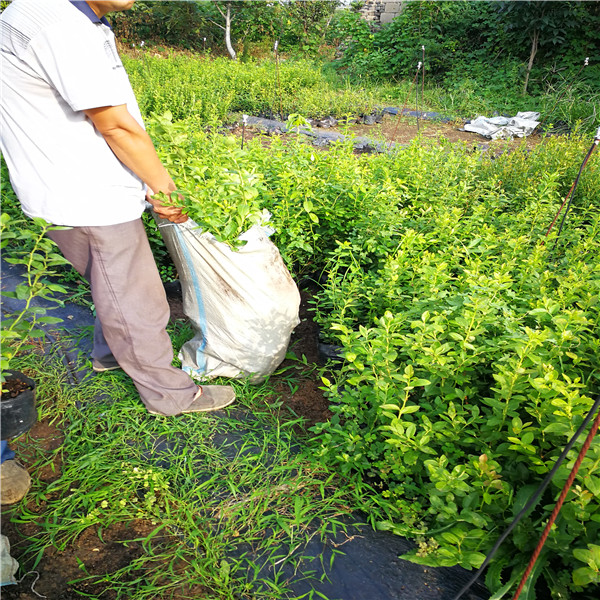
(243,304)
(8,565)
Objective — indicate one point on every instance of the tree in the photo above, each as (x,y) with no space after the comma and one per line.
(234,16)
(538,24)
(224,9)
(310,14)
(173,23)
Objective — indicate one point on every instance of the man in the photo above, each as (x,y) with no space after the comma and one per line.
(78,156)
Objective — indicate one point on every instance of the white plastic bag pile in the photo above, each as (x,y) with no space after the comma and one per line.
(521,125)
(243,304)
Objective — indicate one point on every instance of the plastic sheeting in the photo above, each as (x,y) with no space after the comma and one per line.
(354,563)
(521,125)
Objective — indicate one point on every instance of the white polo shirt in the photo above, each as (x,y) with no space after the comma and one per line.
(55,62)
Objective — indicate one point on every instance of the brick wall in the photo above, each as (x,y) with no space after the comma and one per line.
(381,11)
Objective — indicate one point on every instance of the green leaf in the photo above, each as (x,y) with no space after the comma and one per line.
(22,291)
(452,538)
(592,482)
(584,576)
(55,287)
(475,559)
(505,589)
(527,438)
(49,320)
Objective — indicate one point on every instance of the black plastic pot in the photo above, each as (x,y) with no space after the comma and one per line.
(18,414)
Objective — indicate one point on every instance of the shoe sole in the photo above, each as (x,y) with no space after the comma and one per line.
(104,369)
(190,412)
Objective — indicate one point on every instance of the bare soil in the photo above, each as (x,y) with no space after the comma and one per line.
(12,388)
(403,129)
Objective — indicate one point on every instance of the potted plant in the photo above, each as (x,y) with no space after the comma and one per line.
(24,243)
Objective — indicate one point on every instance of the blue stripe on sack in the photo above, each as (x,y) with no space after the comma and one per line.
(200,357)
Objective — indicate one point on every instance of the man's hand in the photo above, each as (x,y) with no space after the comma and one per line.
(171,213)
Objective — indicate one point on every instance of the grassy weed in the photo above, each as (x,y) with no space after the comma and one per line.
(228,501)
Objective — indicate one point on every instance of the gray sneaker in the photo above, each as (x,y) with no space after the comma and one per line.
(208,397)
(211,397)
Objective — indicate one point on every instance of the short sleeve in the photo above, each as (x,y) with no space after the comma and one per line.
(80,61)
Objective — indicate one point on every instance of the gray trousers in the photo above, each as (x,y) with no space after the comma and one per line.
(132,311)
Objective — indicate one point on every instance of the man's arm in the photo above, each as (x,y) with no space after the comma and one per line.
(133,147)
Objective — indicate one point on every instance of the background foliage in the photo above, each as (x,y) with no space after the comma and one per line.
(298,26)
(476,54)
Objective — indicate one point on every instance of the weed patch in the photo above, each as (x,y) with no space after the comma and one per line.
(220,505)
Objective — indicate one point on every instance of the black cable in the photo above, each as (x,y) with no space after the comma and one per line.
(573,191)
(532,500)
(569,195)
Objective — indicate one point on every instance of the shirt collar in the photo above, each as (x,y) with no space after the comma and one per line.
(86,9)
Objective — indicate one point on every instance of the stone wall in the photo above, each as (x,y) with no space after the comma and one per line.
(381,11)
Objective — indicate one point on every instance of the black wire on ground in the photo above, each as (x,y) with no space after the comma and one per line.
(531,502)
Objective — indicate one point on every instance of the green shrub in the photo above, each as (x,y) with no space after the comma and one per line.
(210,90)
(475,56)
(471,355)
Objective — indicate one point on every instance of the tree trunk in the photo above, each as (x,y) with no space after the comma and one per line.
(535,38)
(228,32)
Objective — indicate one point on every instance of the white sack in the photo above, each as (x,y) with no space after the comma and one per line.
(521,125)
(243,304)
